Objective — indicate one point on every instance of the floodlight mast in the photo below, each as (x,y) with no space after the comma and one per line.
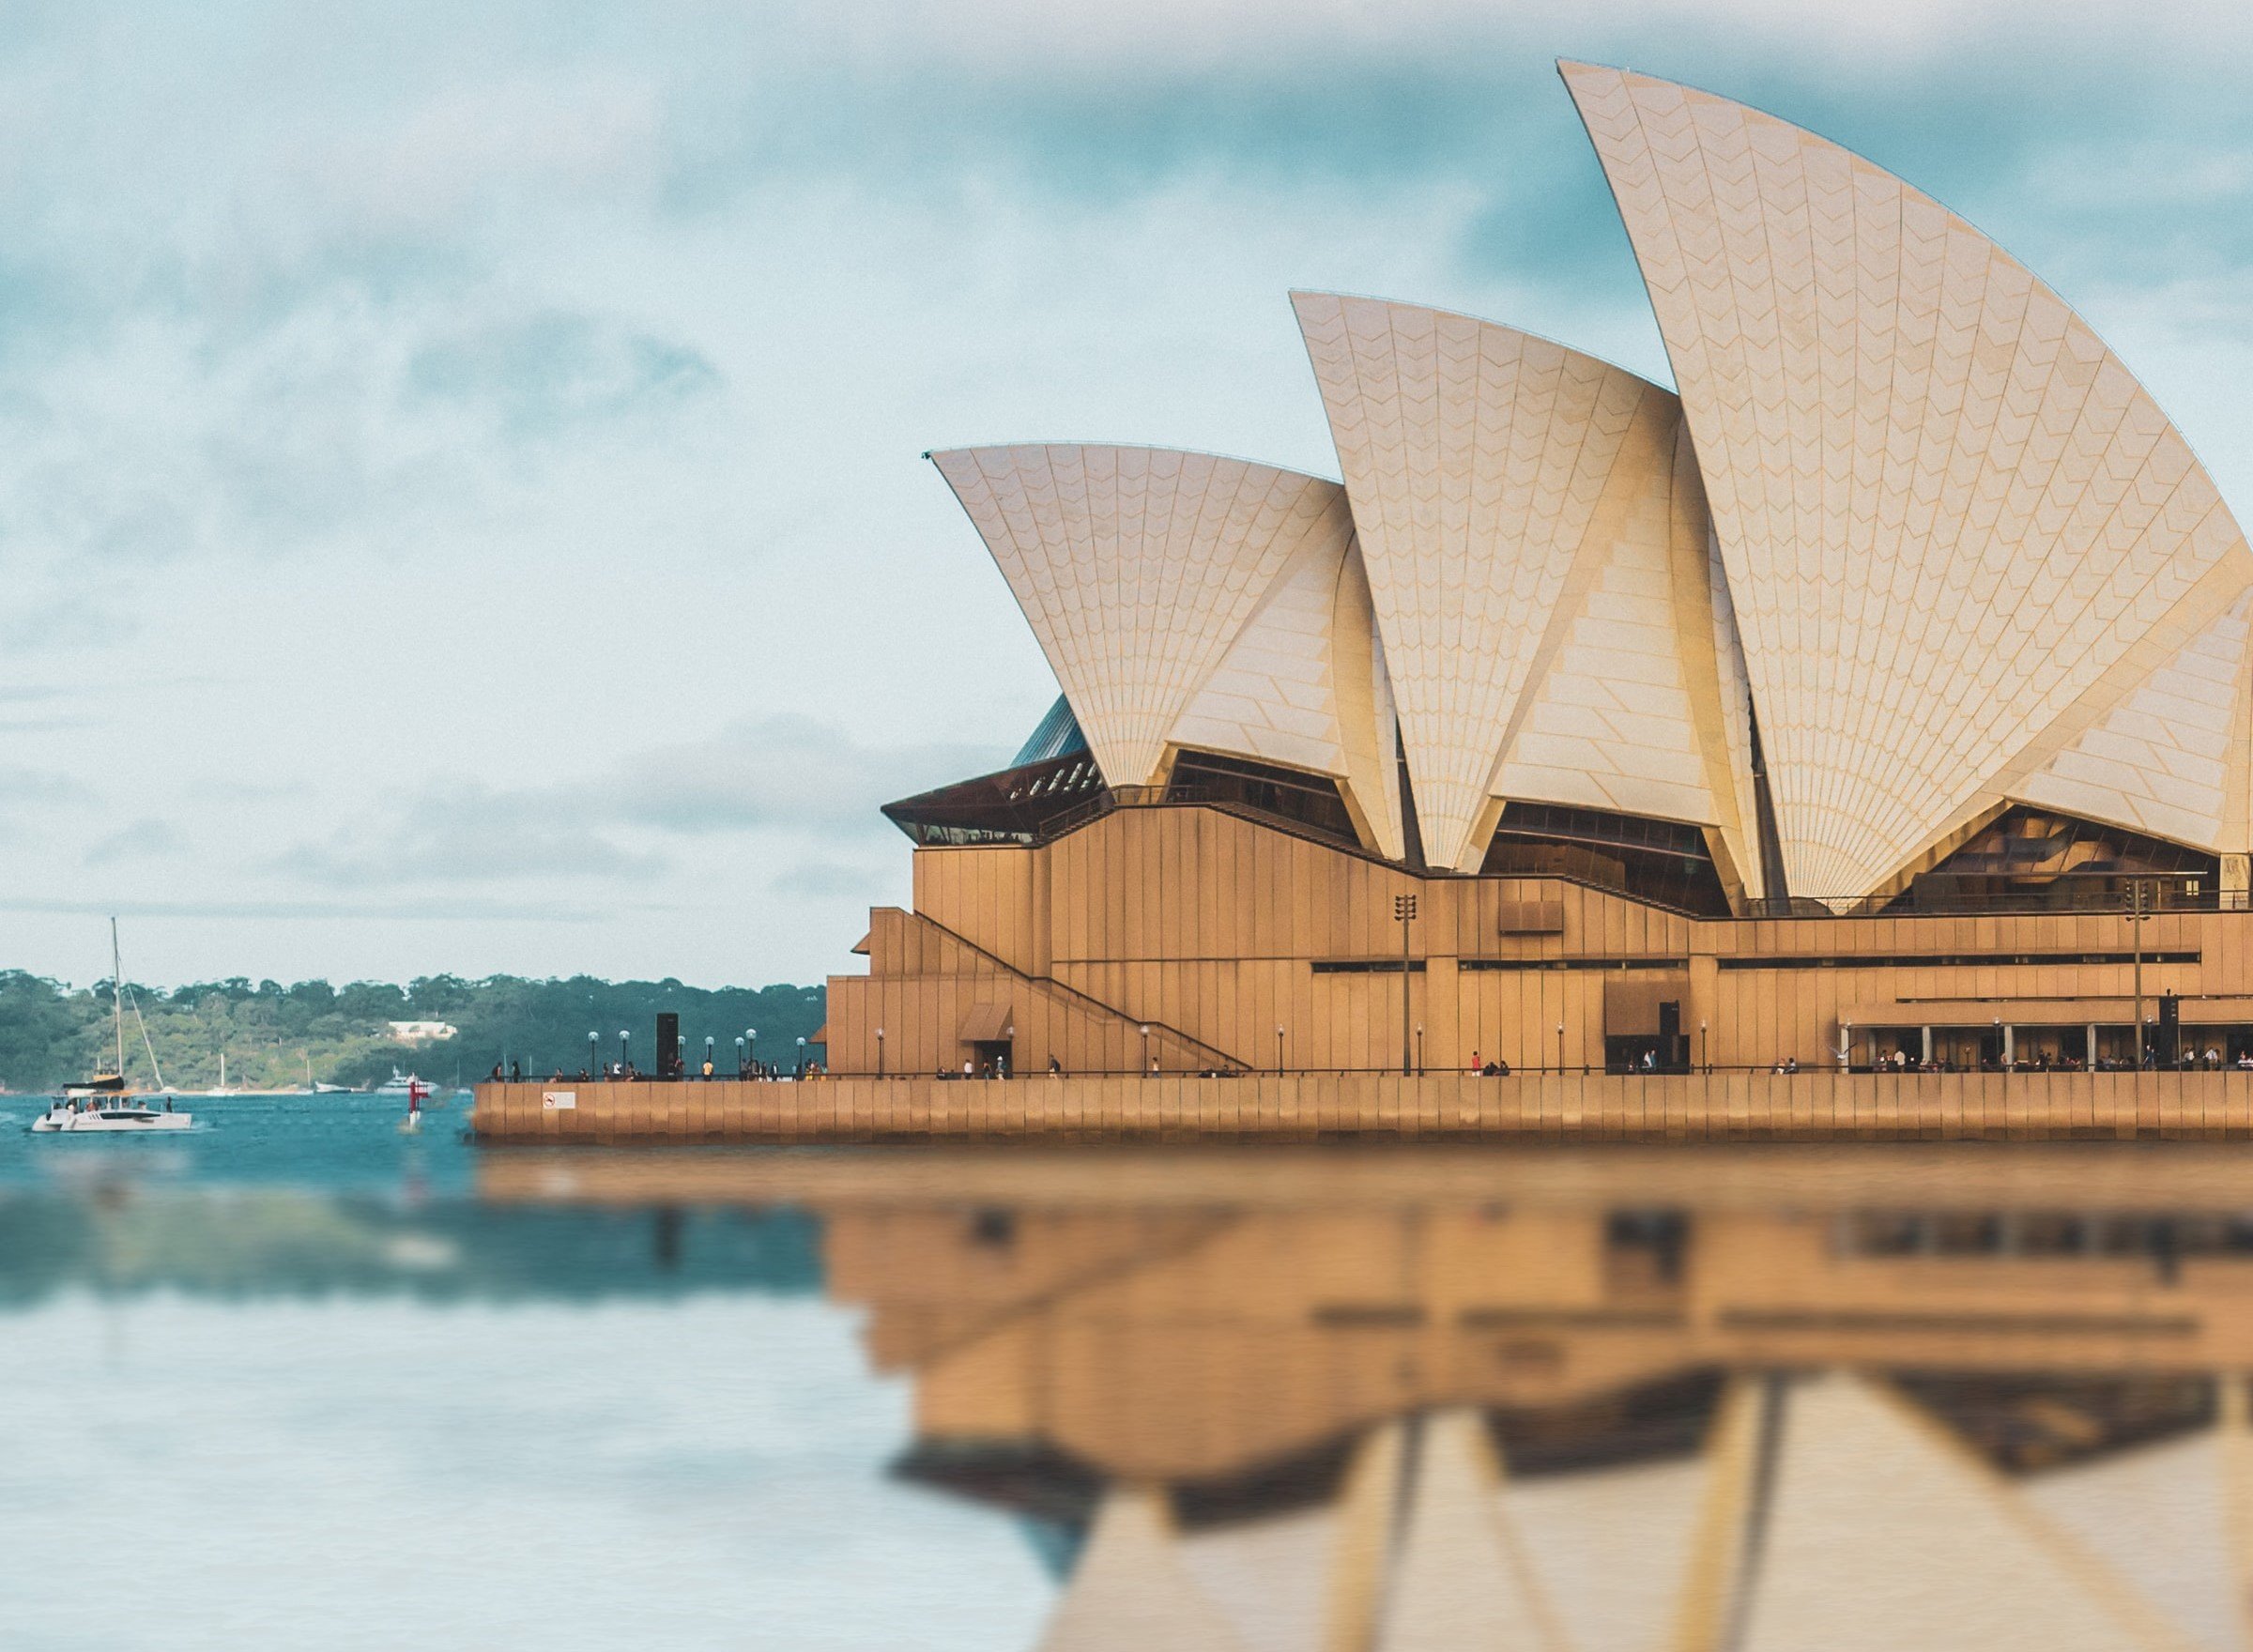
(1404,910)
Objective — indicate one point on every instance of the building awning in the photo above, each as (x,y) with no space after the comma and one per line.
(986,1023)
(2046,1012)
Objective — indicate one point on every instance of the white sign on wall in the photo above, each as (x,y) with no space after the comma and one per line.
(555,1101)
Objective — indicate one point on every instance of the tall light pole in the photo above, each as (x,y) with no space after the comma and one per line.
(751,1038)
(1279,1050)
(740,1068)
(1701,1049)
(594,1055)
(1419,1050)
(624,1038)
(708,1055)
(1560,1047)
(1404,910)
(2136,899)
(880,1052)
(802,1057)
(1145,1052)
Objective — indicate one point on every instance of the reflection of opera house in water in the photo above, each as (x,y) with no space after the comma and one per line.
(1615,1400)
(1846,700)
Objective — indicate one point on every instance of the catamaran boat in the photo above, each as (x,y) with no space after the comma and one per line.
(103,1102)
(90,1106)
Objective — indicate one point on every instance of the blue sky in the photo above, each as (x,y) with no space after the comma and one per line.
(459,494)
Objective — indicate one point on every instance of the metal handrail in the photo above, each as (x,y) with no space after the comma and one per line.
(1588,1069)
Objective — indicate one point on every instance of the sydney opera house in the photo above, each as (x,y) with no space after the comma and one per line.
(1872,704)
(1876,697)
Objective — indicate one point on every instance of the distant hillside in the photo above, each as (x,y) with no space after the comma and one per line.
(49,1034)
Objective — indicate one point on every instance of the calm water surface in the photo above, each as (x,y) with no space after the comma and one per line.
(297,1380)
(289,1383)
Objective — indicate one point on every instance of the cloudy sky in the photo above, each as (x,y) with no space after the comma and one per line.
(461,504)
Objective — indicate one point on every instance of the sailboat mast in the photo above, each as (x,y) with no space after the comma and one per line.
(117,996)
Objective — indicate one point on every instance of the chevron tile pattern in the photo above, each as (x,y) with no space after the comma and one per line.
(1484,466)
(1286,690)
(2172,754)
(1625,711)
(1532,504)
(1910,517)
(1186,599)
(1946,510)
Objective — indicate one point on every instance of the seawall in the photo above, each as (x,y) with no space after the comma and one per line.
(1594,1107)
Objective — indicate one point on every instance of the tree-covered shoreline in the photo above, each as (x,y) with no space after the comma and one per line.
(49,1032)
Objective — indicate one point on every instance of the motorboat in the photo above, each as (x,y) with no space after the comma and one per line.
(102,1102)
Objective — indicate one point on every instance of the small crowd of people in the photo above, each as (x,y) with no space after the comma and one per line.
(2210,1059)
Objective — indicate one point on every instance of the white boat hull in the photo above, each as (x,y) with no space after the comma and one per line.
(119,1121)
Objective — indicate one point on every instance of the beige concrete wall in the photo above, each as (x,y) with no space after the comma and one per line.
(1208,928)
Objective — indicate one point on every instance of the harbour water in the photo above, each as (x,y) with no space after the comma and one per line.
(290,1382)
(298,1379)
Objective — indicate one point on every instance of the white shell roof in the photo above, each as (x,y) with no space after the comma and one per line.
(1946,509)
(1909,513)
(1186,600)
(1515,506)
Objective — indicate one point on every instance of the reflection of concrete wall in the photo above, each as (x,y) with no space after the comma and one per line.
(1189,1345)
(1805,1106)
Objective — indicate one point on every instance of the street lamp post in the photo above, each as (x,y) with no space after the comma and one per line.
(739,1067)
(2136,899)
(1145,1052)
(624,1038)
(1404,910)
(1419,1050)
(1702,1061)
(802,1057)
(880,1052)
(1279,1050)
(1560,1047)
(751,1044)
(708,1055)
(594,1055)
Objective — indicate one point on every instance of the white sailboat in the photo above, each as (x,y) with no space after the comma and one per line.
(221,1089)
(314,1087)
(103,1103)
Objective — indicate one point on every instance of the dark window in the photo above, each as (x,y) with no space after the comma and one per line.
(1663,862)
(2030,860)
(1308,801)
